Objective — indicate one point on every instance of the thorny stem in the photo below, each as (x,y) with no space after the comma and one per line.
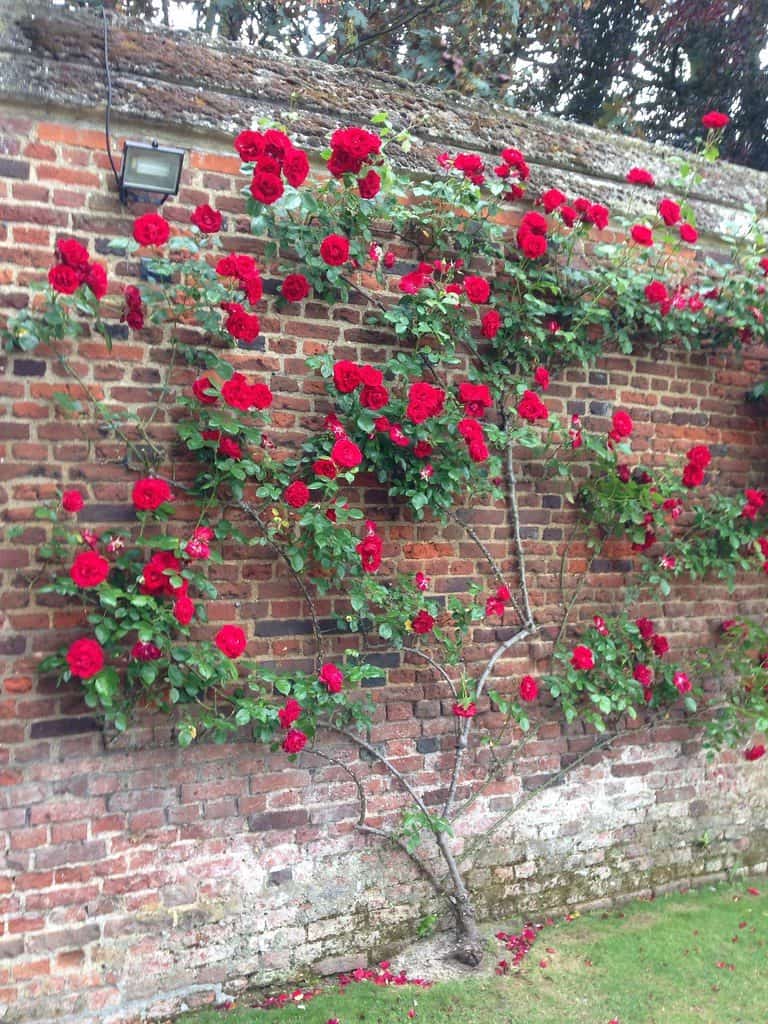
(495,567)
(435,665)
(579,584)
(514,511)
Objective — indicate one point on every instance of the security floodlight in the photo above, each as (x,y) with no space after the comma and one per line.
(149,172)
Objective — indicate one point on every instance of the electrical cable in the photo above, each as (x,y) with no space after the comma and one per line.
(109,98)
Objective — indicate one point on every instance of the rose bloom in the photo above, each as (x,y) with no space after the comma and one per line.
(334,250)
(477,288)
(551,199)
(206,219)
(242,326)
(642,235)
(681,682)
(688,233)
(643,674)
(533,247)
(331,677)
(85,658)
(183,610)
(346,376)
(421,581)
(424,401)
(423,622)
(266,188)
(296,494)
(529,688)
(660,645)
(598,215)
(754,753)
(346,454)
(700,456)
(656,293)
(294,288)
(290,713)
(639,176)
(231,641)
(96,280)
(541,377)
(464,710)
(72,501)
(150,493)
(714,120)
(89,569)
(145,650)
(64,279)
(622,425)
(490,324)
(151,229)
(369,186)
(369,550)
(75,255)
(531,408)
(325,468)
(374,396)
(295,740)
(669,211)
(582,658)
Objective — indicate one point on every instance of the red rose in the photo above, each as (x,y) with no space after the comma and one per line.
(490,324)
(369,186)
(239,394)
(582,658)
(151,229)
(346,376)
(242,326)
(290,713)
(89,569)
(656,293)
(754,753)
(643,675)
(369,550)
(475,398)
(250,146)
(714,120)
(85,658)
(598,215)
(266,188)
(422,449)
(374,397)
(700,456)
(669,212)
(693,475)
(200,387)
(145,651)
(568,215)
(72,501)
(477,288)
(599,623)
(73,254)
(688,233)
(551,199)
(642,235)
(541,377)
(645,627)
(423,622)
(639,176)
(295,288)
(157,574)
(424,401)
(149,493)
(334,250)
(231,641)
(295,740)
(331,677)
(622,425)
(230,449)
(295,167)
(529,688)
(64,279)
(464,710)
(478,451)
(346,454)
(325,467)
(681,682)
(183,610)
(96,279)
(296,494)
(532,246)
(206,219)
(531,407)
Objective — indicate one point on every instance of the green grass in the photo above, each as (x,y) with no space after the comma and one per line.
(646,963)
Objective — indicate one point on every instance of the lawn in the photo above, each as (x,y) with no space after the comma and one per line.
(696,958)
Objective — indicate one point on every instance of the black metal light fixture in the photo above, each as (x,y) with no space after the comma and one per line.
(149,172)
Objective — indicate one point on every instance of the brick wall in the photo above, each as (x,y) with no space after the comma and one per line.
(136,877)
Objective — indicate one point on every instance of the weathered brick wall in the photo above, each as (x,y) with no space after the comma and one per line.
(135,875)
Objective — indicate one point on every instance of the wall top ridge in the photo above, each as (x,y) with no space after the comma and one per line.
(189,82)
